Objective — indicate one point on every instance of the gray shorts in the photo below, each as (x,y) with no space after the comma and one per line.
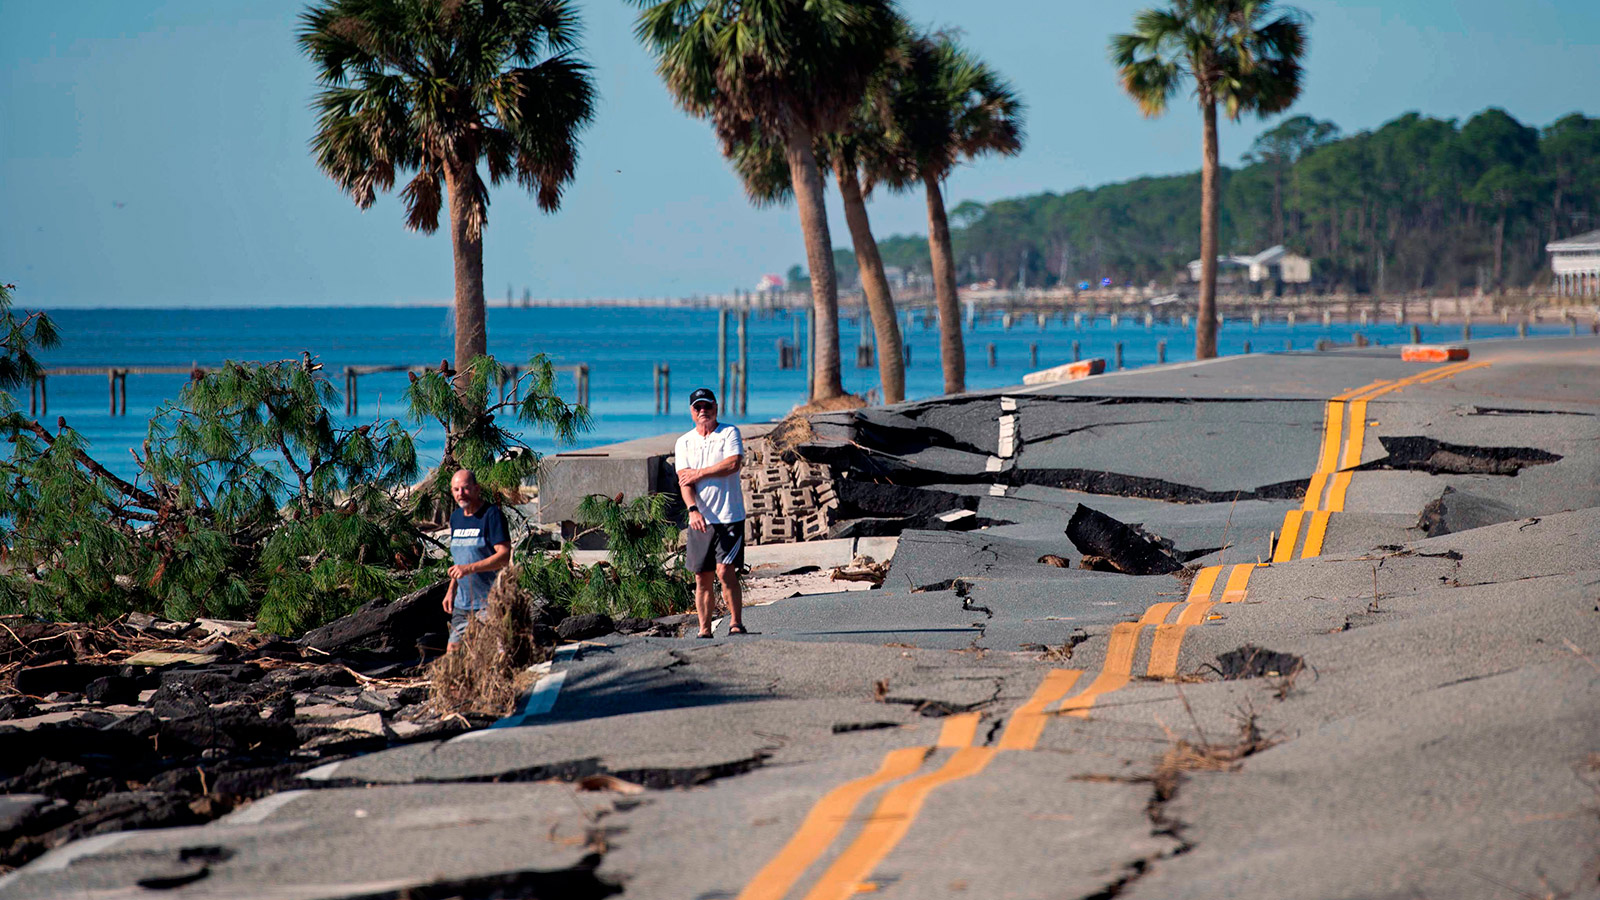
(717,545)
(459,619)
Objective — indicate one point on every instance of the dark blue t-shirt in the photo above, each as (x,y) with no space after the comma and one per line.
(473,538)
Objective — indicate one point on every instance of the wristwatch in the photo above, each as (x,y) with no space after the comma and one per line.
(693,508)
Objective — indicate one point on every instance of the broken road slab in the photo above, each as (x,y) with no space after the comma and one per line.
(984,724)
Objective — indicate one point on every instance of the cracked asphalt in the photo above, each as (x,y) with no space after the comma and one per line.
(985,725)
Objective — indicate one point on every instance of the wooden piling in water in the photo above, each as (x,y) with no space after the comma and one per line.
(1161,351)
(744,357)
(722,353)
(1077,355)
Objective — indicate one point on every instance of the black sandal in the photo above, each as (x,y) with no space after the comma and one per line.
(737,629)
(705,635)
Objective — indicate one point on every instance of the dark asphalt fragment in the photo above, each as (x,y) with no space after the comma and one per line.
(1424,454)
(1128,548)
(1250,661)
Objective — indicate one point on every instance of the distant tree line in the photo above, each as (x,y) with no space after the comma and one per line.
(1417,204)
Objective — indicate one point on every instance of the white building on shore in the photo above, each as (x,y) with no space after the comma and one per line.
(1575,265)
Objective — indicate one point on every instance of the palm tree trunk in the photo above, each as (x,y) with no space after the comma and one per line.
(874,283)
(807,182)
(952,352)
(1205,331)
(471,332)
(1499,248)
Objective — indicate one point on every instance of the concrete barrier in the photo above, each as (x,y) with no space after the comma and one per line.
(1067,372)
(632,468)
(1433,353)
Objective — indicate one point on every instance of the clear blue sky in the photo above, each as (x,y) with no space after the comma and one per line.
(155,153)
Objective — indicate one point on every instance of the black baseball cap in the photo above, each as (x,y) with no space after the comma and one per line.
(702,395)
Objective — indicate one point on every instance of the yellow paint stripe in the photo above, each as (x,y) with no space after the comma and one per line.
(959,730)
(890,822)
(1290,534)
(1237,580)
(899,807)
(1457,370)
(1157,614)
(1027,723)
(1358,431)
(1341,485)
(1169,639)
(823,824)
(1314,491)
(1315,532)
(1332,432)
(1115,672)
(1204,580)
(1360,390)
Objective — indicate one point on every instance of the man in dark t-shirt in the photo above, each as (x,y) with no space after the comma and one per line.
(480,546)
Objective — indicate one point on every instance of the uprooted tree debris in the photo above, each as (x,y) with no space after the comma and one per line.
(248,502)
(146,723)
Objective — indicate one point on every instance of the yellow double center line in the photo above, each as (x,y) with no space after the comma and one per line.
(891,819)
(1169,637)
(1344,426)
(895,812)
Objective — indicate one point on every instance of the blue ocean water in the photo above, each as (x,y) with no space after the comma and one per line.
(620,346)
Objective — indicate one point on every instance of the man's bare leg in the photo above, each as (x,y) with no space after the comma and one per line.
(704,602)
(729,576)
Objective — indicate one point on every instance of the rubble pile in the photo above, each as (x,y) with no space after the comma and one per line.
(147,723)
(790,498)
(785,502)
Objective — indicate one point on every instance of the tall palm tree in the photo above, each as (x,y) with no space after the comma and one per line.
(1244,54)
(945,107)
(787,69)
(438,87)
(762,167)
(846,156)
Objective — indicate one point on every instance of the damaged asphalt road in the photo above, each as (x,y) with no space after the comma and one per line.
(1412,710)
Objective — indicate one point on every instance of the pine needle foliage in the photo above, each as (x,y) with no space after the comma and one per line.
(474,437)
(19,337)
(645,577)
(248,502)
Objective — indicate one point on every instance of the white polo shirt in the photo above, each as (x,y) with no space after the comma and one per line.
(720,498)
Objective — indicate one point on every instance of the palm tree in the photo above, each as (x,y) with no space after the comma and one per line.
(945,107)
(847,152)
(437,87)
(1238,53)
(790,70)
(762,167)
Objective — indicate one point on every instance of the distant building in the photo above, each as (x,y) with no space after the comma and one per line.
(1575,265)
(770,282)
(1274,264)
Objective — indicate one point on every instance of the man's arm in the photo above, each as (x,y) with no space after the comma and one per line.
(450,596)
(686,491)
(687,477)
(494,562)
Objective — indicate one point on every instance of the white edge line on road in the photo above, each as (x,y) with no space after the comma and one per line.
(542,698)
(259,810)
(322,772)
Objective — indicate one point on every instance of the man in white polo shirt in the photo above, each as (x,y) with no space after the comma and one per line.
(707,459)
